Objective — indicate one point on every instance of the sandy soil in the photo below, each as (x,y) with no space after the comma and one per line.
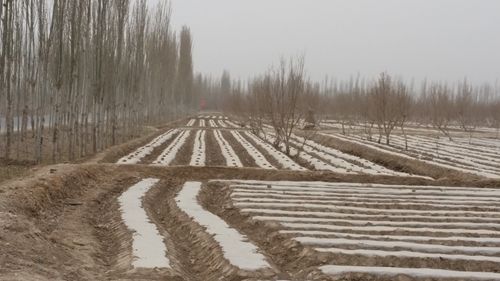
(13,169)
(63,222)
(297,261)
(242,153)
(269,158)
(183,156)
(158,150)
(214,155)
(394,162)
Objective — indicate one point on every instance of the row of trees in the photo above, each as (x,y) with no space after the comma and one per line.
(387,104)
(284,97)
(83,75)
(380,106)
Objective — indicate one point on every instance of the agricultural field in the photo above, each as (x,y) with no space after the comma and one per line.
(152,141)
(411,128)
(477,155)
(214,140)
(339,230)
(376,230)
(207,199)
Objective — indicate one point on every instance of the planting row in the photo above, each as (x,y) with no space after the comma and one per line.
(209,242)
(411,127)
(322,157)
(346,229)
(217,122)
(136,156)
(212,117)
(210,148)
(235,148)
(477,156)
(244,149)
(382,230)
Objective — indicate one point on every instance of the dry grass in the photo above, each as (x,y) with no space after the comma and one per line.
(23,159)
(24,149)
(13,169)
(23,152)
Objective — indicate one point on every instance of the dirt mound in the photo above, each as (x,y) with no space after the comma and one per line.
(47,230)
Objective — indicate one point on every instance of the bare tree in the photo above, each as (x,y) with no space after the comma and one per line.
(441,108)
(403,103)
(185,70)
(495,117)
(384,99)
(285,88)
(466,104)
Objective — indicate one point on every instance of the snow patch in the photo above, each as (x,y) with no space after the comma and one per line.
(168,155)
(364,199)
(260,160)
(432,223)
(341,159)
(136,156)
(392,272)
(284,160)
(317,163)
(148,247)
(212,123)
(437,155)
(235,246)
(199,149)
(231,123)
(232,160)
(314,233)
(191,123)
(222,123)
(393,245)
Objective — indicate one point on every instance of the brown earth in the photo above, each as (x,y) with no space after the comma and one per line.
(238,148)
(184,154)
(394,162)
(268,157)
(23,151)
(158,150)
(62,222)
(301,262)
(114,153)
(214,154)
(10,169)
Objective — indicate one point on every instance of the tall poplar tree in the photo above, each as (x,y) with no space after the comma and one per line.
(184,89)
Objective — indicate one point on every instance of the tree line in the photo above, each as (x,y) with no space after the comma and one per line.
(387,104)
(79,76)
(285,99)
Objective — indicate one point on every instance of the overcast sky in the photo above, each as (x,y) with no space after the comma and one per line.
(438,39)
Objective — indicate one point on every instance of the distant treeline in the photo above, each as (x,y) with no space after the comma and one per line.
(285,95)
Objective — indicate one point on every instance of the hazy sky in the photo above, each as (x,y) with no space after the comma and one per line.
(438,39)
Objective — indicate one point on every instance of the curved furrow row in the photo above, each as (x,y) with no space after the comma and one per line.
(429,232)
